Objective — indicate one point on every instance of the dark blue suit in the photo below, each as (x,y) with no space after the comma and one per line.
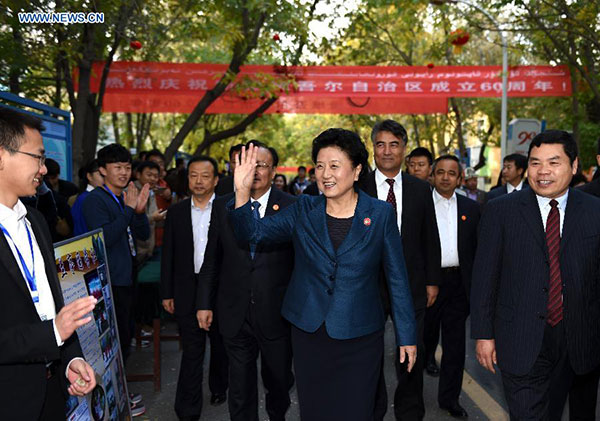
(509,292)
(339,288)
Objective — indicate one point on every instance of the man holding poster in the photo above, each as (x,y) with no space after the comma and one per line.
(40,356)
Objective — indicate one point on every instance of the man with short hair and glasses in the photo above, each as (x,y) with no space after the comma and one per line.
(251,281)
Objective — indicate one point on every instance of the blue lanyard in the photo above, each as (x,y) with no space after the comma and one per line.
(30,277)
(114,197)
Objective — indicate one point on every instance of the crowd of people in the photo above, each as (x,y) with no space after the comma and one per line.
(304,274)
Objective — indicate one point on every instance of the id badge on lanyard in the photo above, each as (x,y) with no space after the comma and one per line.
(129,234)
(29,276)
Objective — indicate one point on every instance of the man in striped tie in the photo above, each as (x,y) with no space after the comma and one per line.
(535,298)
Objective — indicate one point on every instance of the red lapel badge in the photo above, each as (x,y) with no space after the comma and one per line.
(276,207)
(464,218)
(367,221)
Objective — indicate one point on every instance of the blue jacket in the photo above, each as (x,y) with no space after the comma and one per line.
(100,210)
(338,288)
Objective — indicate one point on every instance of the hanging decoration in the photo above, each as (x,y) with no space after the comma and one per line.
(458,38)
(136,45)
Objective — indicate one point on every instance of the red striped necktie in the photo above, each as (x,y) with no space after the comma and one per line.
(555,302)
(391,197)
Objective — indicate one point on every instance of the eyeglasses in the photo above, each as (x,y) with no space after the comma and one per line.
(262,165)
(41,158)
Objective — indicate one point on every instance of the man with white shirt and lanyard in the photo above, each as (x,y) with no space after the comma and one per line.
(38,342)
(184,246)
(457,219)
(249,282)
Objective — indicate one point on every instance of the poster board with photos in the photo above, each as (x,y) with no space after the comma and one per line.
(82,271)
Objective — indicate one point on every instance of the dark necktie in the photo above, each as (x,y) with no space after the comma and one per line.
(391,197)
(555,304)
(256,214)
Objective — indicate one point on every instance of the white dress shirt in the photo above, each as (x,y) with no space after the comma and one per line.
(446,214)
(264,201)
(544,204)
(510,188)
(383,188)
(200,224)
(14,221)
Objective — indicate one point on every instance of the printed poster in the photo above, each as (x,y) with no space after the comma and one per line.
(82,271)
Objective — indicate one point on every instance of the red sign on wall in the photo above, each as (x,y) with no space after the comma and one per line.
(177,87)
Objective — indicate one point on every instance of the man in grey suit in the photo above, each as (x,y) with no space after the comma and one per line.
(536,308)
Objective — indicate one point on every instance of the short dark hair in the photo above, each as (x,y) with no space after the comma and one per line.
(259,144)
(204,158)
(391,126)
(89,168)
(519,160)
(311,171)
(53,167)
(234,149)
(553,137)
(347,141)
(301,167)
(448,157)
(421,151)
(147,164)
(278,175)
(154,152)
(113,153)
(12,128)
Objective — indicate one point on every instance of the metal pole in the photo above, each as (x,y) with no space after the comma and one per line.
(504,109)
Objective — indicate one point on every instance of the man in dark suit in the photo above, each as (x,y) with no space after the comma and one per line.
(513,173)
(225,185)
(457,220)
(251,282)
(184,247)
(584,392)
(417,224)
(40,356)
(535,308)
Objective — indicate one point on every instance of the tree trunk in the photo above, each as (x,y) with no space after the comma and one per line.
(115,123)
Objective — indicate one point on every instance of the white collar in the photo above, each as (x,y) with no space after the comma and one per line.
(208,205)
(380,178)
(510,188)
(439,198)
(89,188)
(263,200)
(545,201)
(17,213)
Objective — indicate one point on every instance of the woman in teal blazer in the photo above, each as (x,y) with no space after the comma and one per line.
(341,240)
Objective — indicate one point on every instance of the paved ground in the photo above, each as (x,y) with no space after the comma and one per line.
(482,395)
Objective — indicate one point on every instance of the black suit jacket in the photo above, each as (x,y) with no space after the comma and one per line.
(509,293)
(468,221)
(26,342)
(224,186)
(502,190)
(177,272)
(242,281)
(420,238)
(592,187)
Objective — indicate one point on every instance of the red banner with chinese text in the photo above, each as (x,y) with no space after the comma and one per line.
(177,87)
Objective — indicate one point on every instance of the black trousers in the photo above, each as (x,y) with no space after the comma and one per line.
(337,379)
(541,394)
(276,371)
(54,401)
(408,398)
(188,399)
(123,302)
(583,396)
(450,311)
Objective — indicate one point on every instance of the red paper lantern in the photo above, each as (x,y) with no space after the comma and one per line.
(276,37)
(136,45)
(430,65)
(458,38)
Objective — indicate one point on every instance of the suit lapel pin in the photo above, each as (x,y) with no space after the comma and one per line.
(367,221)
(276,207)
(464,218)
